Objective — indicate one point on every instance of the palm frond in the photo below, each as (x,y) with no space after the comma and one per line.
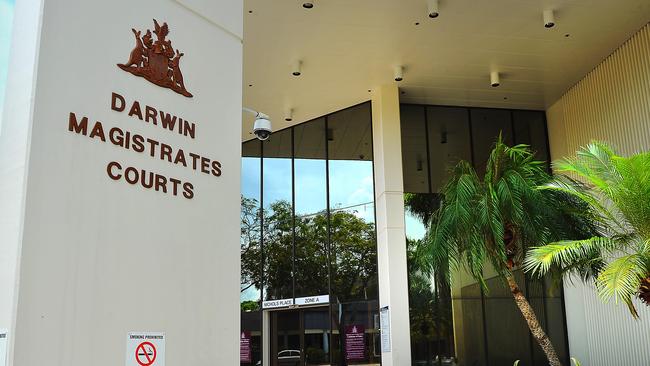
(621,278)
(563,254)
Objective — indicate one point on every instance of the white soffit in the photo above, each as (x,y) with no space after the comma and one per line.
(349,47)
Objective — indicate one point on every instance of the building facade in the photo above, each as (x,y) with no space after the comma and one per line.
(127,171)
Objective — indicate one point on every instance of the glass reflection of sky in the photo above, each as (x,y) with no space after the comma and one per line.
(6,20)
(311,190)
(415,229)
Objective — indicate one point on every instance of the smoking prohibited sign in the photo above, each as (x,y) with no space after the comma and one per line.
(145,349)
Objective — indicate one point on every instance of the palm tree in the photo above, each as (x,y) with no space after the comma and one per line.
(618,191)
(494,219)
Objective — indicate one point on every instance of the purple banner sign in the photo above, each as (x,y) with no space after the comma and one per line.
(245,347)
(355,343)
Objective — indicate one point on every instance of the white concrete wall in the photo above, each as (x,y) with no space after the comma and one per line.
(86,259)
(391,234)
(14,144)
(611,104)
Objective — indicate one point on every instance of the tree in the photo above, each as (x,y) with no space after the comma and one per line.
(353,252)
(494,219)
(617,189)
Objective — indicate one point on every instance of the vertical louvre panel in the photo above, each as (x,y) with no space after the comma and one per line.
(611,104)
(614,338)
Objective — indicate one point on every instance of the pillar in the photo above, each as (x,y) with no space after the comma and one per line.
(89,253)
(391,235)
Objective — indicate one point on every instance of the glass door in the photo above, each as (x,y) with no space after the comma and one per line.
(286,338)
(300,337)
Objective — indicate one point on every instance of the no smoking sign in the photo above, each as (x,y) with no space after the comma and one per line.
(145,349)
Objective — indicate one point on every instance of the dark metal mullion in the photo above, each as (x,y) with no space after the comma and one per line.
(485,336)
(262,252)
(471,137)
(529,299)
(293,216)
(329,239)
(512,128)
(426,139)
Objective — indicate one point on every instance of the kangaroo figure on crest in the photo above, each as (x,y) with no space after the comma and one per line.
(137,54)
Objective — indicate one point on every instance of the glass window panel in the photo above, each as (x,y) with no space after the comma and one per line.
(311,265)
(414,149)
(353,245)
(508,337)
(361,314)
(317,336)
(449,142)
(487,124)
(350,134)
(530,129)
(251,270)
(278,216)
(468,325)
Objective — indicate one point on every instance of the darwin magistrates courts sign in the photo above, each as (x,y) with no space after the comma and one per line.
(156,61)
(138,143)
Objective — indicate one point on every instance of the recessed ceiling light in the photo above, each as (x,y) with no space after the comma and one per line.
(308,4)
(567,35)
(417,23)
(250,12)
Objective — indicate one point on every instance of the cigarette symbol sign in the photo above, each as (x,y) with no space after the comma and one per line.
(144,349)
(145,354)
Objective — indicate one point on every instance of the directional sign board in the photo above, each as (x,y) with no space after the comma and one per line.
(145,349)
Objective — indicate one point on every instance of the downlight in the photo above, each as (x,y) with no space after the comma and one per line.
(288,114)
(549,18)
(495,79)
(433,8)
(308,4)
(399,73)
(296,68)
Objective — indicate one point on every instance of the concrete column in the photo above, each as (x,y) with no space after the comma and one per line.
(391,235)
(87,254)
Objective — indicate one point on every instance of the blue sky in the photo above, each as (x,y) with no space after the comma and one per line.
(6,20)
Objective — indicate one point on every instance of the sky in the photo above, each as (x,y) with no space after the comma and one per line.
(6,20)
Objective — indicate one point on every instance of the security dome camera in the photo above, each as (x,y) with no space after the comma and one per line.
(262,128)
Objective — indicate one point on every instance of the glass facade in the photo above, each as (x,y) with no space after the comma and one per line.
(463,325)
(308,229)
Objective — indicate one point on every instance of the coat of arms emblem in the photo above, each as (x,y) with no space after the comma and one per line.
(156,60)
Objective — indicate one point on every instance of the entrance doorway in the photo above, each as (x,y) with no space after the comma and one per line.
(300,337)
